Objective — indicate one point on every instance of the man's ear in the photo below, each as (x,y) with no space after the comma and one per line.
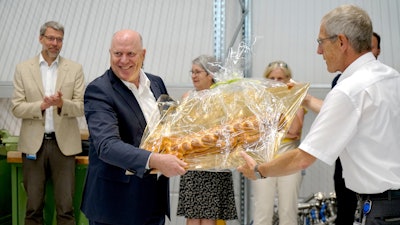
(343,40)
(144,53)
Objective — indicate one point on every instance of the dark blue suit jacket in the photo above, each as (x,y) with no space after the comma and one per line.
(116,125)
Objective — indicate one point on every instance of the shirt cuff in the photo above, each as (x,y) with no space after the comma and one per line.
(148,161)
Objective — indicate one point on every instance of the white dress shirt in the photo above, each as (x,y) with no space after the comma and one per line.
(49,78)
(147,102)
(145,97)
(359,121)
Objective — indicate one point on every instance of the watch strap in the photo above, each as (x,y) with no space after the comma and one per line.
(257,173)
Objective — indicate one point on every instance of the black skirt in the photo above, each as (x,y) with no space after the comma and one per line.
(207,195)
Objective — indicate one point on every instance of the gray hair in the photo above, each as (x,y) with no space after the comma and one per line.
(208,63)
(351,21)
(53,24)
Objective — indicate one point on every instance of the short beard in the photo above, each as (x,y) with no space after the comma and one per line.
(52,55)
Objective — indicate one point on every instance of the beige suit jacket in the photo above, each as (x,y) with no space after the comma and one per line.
(28,96)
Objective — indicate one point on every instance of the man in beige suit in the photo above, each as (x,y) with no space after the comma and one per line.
(48,97)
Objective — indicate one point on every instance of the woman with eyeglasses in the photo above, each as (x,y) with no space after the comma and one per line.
(206,198)
(286,187)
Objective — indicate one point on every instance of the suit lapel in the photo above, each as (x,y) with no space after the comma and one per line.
(155,89)
(37,74)
(61,73)
(128,97)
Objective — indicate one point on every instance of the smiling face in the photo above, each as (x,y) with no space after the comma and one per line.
(200,78)
(127,55)
(52,42)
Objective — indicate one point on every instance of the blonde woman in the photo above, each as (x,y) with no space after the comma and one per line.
(286,187)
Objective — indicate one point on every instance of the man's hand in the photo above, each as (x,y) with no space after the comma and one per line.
(52,100)
(168,165)
(248,169)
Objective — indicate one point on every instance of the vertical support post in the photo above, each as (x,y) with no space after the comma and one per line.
(219,29)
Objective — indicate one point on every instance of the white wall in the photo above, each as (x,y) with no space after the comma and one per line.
(173,31)
(176,31)
(288,30)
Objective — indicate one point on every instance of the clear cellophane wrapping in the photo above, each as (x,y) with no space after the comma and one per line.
(209,128)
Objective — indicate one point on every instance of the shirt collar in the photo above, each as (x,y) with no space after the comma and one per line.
(41,60)
(354,66)
(143,81)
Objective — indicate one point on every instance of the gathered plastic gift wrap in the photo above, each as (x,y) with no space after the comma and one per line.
(209,128)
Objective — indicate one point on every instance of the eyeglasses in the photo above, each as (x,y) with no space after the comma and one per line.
(280,64)
(51,39)
(321,40)
(195,72)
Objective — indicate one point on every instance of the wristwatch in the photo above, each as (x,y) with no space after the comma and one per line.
(257,173)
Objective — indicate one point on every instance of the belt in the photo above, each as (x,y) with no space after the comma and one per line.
(387,195)
(49,136)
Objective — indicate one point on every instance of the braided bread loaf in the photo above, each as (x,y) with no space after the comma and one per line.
(209,129)
(215,140)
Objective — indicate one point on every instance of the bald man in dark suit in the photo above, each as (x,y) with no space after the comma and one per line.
(119,187)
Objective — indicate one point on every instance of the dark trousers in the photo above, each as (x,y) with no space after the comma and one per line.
(346,199)
(151,221)
(51,164)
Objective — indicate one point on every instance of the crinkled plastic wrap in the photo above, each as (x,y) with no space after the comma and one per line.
(209,128)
